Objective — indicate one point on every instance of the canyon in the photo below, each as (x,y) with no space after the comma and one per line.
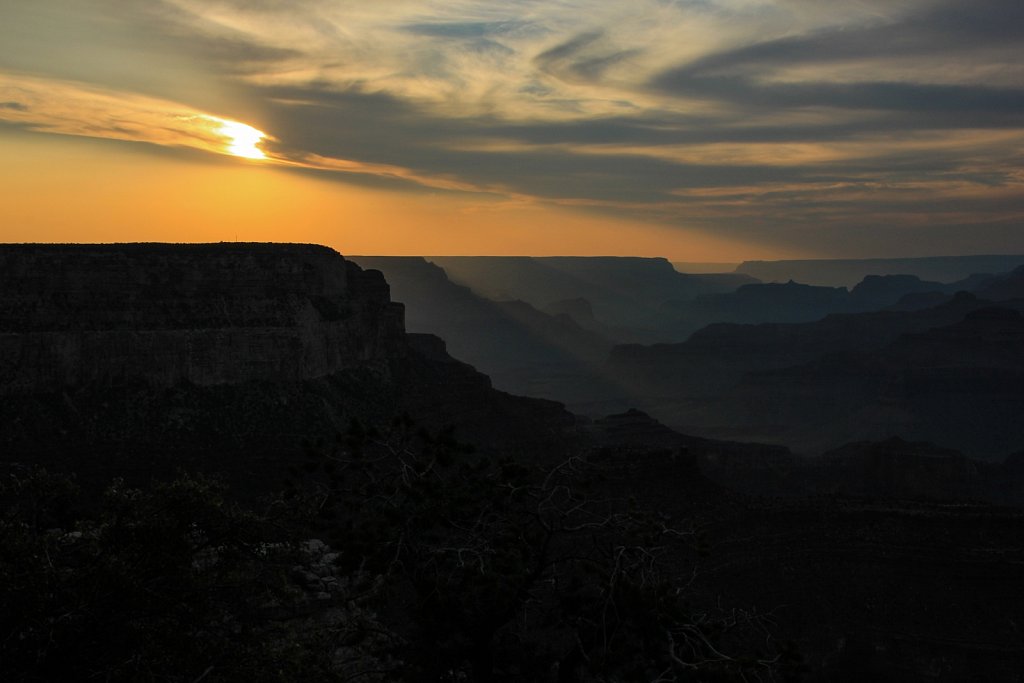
(883,558)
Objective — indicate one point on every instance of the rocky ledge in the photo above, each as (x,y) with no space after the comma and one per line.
(136,360)
(205,314)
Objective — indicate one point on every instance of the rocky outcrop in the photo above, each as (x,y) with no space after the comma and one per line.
(579,309)
(522,349)
(494,336)
(207,314)
(137,360)
(875,292)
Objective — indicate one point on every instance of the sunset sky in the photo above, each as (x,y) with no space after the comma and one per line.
(716,130)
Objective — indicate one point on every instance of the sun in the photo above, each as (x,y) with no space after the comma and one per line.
(243,139)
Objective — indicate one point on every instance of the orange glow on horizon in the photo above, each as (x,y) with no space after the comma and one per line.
(124,195)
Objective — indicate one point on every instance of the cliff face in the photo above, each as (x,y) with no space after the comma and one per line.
(209,314)
(137,360)
(523,350)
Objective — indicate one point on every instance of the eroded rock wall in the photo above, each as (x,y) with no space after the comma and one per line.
(205,314)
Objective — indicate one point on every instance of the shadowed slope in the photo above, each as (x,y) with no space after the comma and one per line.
(523,350)
(137,359)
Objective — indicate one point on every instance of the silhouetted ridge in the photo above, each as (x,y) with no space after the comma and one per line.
(950,374)
(523,349)
(1004,287)
(847,272)
(579,309)
(626,294)
(206,314)
(135,359)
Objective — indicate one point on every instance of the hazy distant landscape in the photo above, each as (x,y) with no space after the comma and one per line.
(894,355)
(511,342)
(818,481)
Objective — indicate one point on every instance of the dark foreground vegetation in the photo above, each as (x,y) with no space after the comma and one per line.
(393,557)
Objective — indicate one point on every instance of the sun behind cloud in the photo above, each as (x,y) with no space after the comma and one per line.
(243,140)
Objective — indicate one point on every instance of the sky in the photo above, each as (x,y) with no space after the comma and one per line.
(698,130)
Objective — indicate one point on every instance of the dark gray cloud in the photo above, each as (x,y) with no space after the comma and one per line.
(471,29)
(991,104)
(584,57)
(949,34)
(943,32)
(749,121)
(379,128)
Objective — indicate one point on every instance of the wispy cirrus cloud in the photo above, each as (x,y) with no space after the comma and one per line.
(64,108)
(59,107)
(737,116)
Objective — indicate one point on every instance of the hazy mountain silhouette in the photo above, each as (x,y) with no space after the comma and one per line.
(524,350)
(875,292)
(758,303)
(579,309)
(627,295)
(715,357)
(848,272)
(1003,287)
(814,385)
(960,386)
(793,302)
(704,267)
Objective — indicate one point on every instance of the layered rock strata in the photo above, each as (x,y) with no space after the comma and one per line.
(204,314)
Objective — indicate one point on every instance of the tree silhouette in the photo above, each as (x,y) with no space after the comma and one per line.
(496,571)
(168,584)
(441,564)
